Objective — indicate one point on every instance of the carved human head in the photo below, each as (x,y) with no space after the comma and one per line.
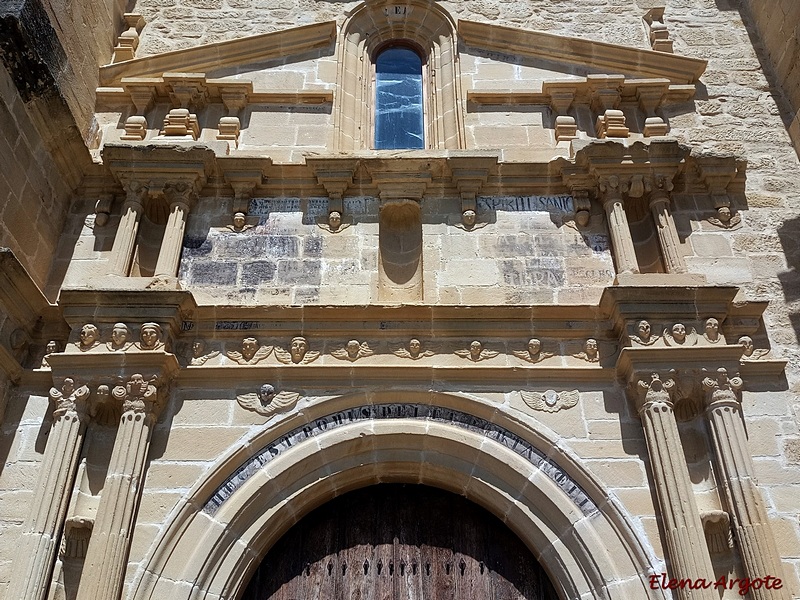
(89,335)
(249,347)
(746,342)
(119,334)
(712,329)
(137,384)
(590,347)
(724,214)
(266,393)
(198,346)
(68,387)
(643,330)
(52,346)
(475,349)
(298,348)
(582,217)
(150,335)
(679,332)
(239,220)
(468,217)
(352,348)
(534,346)
(334,219)
(414,347)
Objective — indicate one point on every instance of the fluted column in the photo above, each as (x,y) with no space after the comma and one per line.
(125,240)
(754,537)
(686,547)
(665,226)
(36,552)
(107,555)
(179,197)
(621,242)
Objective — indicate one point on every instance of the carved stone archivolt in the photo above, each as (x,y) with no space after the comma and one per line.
(298,352)
(533,352)
(267,401)
(476,352)
(550,400)
(251,352)
(352,351)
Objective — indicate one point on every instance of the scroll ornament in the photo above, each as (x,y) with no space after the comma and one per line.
(550,401)
(266,401)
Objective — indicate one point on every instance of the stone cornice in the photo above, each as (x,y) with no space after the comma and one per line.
(207,57)
(605,57)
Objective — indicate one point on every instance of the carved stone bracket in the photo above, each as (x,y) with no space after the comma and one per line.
(128,40)
(659,34)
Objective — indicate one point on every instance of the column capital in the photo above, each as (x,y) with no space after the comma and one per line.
(180,192)
(136,192)
(722,389)
(139,396)
(653,389)
(70,399)
(611,188)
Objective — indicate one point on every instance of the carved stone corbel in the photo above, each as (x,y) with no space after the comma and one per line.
(234,97)
(469,174)
(143,94)
(659,35)
(128,40)
(605,98)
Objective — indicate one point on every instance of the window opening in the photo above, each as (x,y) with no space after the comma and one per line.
(399,119)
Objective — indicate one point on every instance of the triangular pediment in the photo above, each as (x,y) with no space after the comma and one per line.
(589,55)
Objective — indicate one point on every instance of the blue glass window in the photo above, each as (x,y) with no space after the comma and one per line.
(398,99)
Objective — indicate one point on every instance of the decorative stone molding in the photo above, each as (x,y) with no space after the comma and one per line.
(550,401)
(267,401)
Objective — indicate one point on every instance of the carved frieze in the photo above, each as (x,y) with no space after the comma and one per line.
(266,401)
(533,353)
(150,337)
(590,353)
(414,350)
(200,355)
(120,338)
(89,337)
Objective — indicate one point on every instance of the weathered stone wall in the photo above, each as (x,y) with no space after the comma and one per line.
(777,24)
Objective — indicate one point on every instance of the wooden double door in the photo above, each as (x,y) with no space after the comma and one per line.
(399,542)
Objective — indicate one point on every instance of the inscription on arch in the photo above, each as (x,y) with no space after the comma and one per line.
(401,411)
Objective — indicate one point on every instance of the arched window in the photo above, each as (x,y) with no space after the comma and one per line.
(399,121)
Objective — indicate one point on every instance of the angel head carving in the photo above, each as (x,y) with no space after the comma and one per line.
(199,354)
(468,217)
(150,336)
(120,334)
(679,333)
(334,220)
(89,337)
(298,348)
(334,223)
(711,332)
(298,352)
(198,347)
(267,401)
(550,400)
(476,352)
(534,353)
(413,351)
(239,223)
(249,348)
(353,350)
(51,348)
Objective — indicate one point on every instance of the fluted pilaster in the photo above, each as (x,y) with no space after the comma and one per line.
(30,579)
(621,242)
(125,239)
(754,537)
(665,227)
(179,196)
(685,542)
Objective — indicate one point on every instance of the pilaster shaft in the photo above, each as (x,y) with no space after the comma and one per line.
(667,233)
(170,254)
(107,555)
(759,553)
(38,546)
(621,241)
(125,240)
(685,542)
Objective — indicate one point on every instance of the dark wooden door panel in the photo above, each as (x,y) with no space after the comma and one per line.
(399,542)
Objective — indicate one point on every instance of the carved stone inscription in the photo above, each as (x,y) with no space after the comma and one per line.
(561,204)
(402,411)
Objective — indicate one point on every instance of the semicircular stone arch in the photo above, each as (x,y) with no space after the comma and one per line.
(217,537)
(372,26)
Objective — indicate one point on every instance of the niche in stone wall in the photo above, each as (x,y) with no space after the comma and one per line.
(400,252)
(150,236)
(644,235)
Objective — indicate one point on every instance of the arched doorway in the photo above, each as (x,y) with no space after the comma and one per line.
(399,542)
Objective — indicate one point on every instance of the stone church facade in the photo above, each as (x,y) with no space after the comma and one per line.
(228,302)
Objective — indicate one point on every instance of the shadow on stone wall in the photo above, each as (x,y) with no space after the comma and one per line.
(789,235)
